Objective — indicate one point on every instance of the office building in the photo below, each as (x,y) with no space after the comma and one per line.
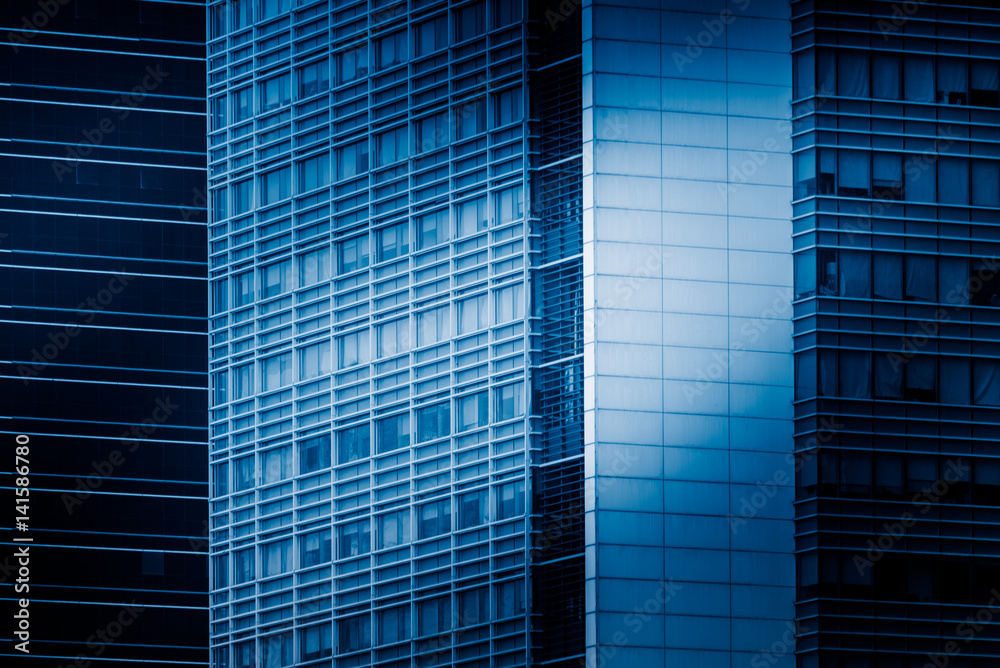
(895,113)
(103,333)
(601,333)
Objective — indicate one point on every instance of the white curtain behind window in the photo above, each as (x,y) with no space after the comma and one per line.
(852,74)
(855,274)
(918,79)
(920,278)
(855,374)
(953,280)
(885,76)
(986,382)
(955,380)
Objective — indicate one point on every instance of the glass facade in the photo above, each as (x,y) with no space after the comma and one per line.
(370,333)
(103,336)
(895,208)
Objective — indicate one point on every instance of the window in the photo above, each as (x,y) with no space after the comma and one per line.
(243,562)
(434,616)
(276,557)
(472,509)
(220,479)
(888,276)
(242,99)
(220,571)
(218,112)
(314,78)
(985,183)
(314,360)
(275,279)
(887,176)
(220,383)
(352,160)
(510,599)
(507,107)
(955,380)
(352,254)
(275,186)
(314,267)
(506,13)
(953,180)
(435,518)
(855,373)
(276,650)
(919,182)
(430,133)
(393,241)
(470,21)
(986,382)
(472,314)
(431,35)
(219,209)
(952,81)
(921,379)
(243,474)
(353,444)
(315,642)
(275,372)
(509,303)
(393,338)
(471,216)
(354,539)
(470,119)
(217,21)
(510,500)
(918,78)
(852,74)
(984,83)
(391,147)
(314,454)
(853,175)
(393,433)
(885,76)
(272,8)
(888,375)
(314,548)
(353,349)
(220,296)
(472,411)
(355,633)
(394,625)
(432,229)
(473,607)
(510,401)
(276,464)
(510,204)
(433,326)
(394,529)
(275,93)
(243,381)
(240,14)
(352,64)
(243,656)
(390,50)
(314,172)
(242,196)
(921,275)
(432,422)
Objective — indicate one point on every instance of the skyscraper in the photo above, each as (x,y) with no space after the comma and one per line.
(601,333)
(896,203)
(103,376)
